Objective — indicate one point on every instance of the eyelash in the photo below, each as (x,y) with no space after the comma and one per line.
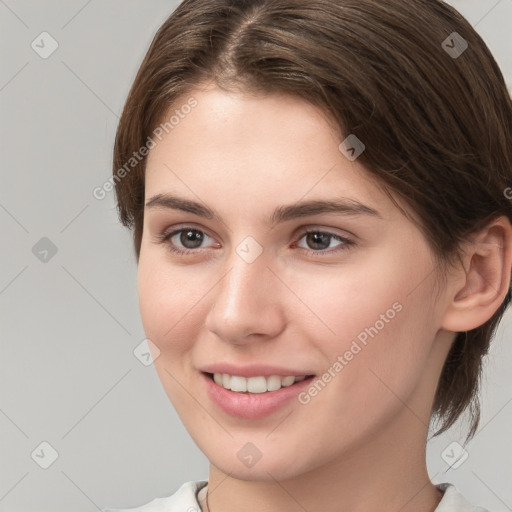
(163,238)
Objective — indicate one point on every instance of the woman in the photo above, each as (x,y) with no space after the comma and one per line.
(317,191)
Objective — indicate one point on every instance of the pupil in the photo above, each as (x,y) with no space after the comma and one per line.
(316,238)
(192,236)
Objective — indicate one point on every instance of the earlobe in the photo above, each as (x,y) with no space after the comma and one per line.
(485,280)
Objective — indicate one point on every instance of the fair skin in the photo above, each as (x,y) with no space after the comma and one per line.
(359,445)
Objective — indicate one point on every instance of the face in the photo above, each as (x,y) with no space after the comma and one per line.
(266,285)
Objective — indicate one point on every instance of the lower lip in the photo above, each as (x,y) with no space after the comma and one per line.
(252,405)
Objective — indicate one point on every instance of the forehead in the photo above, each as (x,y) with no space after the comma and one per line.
(266,149)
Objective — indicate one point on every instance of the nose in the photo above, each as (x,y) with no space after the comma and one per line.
(246,302)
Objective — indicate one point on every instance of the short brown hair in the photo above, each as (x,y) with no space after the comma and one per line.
(436,125)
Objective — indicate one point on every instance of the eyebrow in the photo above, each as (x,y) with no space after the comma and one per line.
(344,206)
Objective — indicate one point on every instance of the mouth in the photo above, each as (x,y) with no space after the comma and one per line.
(256,385)
(254,397)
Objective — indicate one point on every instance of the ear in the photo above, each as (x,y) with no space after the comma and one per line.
(479,289)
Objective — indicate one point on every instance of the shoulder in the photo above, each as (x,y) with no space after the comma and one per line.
(454,501)
(183,500)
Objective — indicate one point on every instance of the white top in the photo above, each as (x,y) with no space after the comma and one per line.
(186,499)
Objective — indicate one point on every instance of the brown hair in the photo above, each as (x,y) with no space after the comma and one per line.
(436,125)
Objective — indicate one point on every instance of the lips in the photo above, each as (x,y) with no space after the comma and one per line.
(256,370)
(253,405)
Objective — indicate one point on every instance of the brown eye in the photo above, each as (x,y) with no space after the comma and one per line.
(319,241)
(192,237)
(184,241)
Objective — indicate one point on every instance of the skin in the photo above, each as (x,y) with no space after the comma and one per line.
(358,445)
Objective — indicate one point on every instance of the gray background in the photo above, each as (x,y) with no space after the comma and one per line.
(70,324)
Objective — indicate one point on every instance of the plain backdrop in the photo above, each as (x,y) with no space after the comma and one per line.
(84,423)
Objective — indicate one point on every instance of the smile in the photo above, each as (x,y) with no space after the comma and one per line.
(258,403)
(258,384)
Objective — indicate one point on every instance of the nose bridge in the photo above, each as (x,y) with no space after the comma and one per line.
(244,286)
(244,303)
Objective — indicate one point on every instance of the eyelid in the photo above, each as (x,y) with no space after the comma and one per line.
(343,233)
(173,230)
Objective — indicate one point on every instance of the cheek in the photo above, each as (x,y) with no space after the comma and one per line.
(168,301)
(347,303)
(169,310)
(380,332)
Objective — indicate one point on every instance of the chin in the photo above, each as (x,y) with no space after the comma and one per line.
(274,465)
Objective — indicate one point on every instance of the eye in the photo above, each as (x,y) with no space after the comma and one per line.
(184,240)
(188,240)
(321,240)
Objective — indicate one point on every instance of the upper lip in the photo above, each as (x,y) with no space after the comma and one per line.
(253,370)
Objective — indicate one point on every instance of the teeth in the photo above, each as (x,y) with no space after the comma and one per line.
(255,384)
